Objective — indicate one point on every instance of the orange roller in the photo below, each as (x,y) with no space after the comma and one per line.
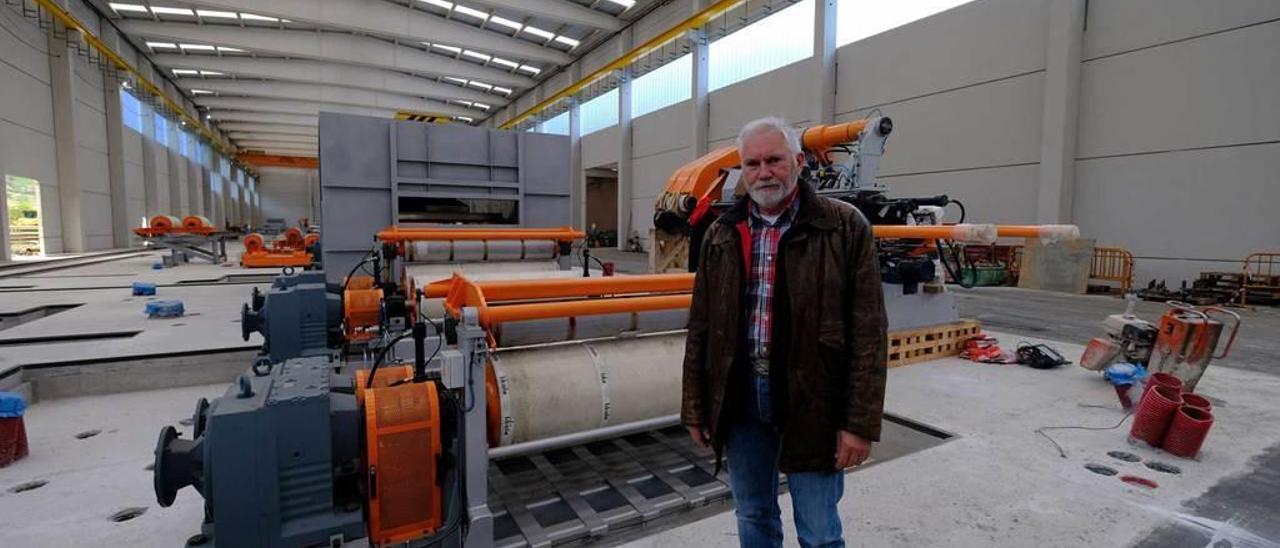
(1046,232)
(972,233)
(817,140)
(311,239)
(589,307)
(196,222)
(253,243)
(292,238)
(164,223)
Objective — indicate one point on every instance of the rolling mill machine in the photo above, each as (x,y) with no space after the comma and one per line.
(917,250)
(378,402)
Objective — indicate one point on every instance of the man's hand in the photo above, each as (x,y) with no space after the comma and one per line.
(700,436)
(851,450)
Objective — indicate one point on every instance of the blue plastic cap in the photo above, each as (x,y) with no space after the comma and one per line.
(1124,373)
(157,266)
(12,405)
(164,309)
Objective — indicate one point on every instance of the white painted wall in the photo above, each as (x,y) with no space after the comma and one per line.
(289,193)
(26,116)
(155,181)
(1177,130)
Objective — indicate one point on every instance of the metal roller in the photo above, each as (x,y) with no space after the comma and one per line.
(554,390)
(523,333)
(470,251)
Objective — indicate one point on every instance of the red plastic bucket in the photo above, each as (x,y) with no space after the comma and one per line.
(1196,400)
(13,440)
(1162,379)
(1187,432)
(1154,415)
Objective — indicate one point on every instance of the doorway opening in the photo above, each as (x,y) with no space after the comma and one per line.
(26,237)
(602,206)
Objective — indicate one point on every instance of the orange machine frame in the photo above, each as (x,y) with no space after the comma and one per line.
(702,178)
(288,250)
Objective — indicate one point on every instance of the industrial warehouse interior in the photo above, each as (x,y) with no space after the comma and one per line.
(429,273)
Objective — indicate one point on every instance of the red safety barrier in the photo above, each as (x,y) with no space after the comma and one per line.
(13,440)
(1154,414)
(1196,400)
(1187,432)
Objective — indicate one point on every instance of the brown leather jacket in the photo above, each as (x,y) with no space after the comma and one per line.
(828,344)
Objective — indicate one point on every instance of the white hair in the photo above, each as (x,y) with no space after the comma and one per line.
(771,123)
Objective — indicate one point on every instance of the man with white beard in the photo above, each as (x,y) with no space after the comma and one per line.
(784,367)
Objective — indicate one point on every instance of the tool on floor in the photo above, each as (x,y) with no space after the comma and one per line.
(1040,356)
(1188,341)
(1129,339)
(1124,376)
(13,431)
(164,309)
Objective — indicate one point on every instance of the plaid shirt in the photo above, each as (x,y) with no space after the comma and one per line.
(760,281)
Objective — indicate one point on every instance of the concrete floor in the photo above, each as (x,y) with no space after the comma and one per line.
(1000,484)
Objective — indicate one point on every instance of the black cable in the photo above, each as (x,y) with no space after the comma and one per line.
(1063,453)
(382,354)
(363,260)
(954,273)
(962,210)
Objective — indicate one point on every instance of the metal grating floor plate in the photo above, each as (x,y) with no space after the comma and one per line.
(602,492)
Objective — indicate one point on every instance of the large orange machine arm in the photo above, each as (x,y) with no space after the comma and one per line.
(699,182)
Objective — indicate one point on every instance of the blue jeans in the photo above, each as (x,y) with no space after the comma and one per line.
(753,449)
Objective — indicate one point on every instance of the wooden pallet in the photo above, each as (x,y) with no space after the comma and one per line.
(930,343)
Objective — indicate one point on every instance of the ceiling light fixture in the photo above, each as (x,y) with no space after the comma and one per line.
(472,12)
(215,14)
(440,4)
(128,7)
(185,71)
(567,41)
(505,62)
(531,70)
(538,32)
(172,11)
(162,45)
(506,22)
(476,55)
(252,17)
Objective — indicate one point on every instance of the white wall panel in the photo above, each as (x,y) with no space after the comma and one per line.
(776,93)
(996,124)
(1215,204)
(663,130)
(1126,25)
(600,148)
(973,43)
(1215,90)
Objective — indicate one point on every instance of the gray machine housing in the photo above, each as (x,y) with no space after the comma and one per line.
(372,164)
(298,316)
(276,459)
